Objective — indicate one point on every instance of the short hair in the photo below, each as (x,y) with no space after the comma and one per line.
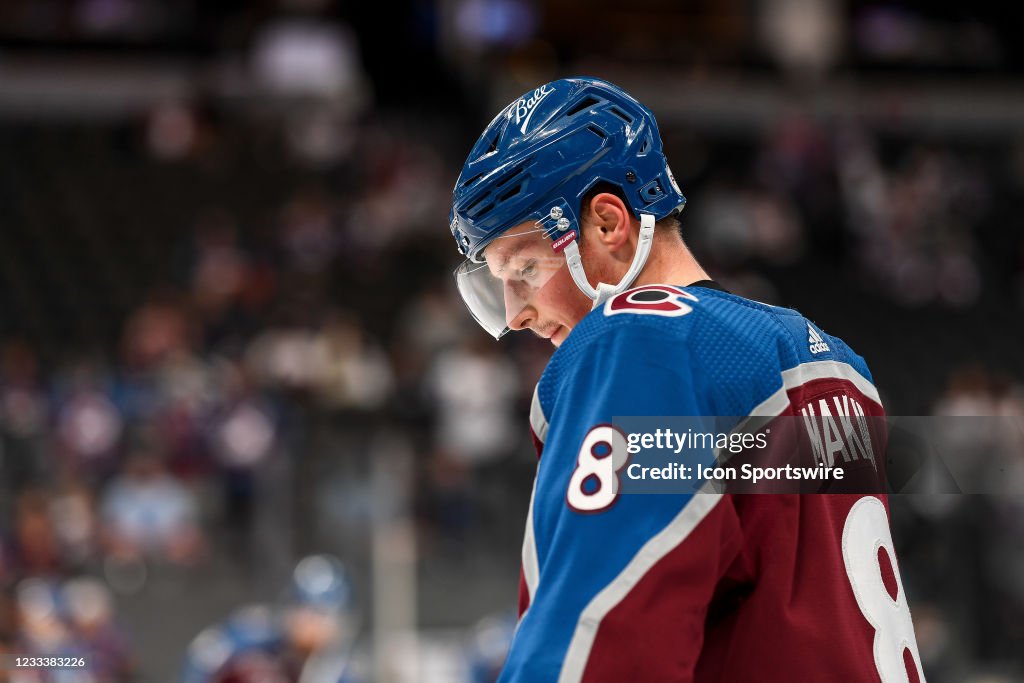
(670,222)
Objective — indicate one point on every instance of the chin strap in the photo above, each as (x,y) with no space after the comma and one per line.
(605,291)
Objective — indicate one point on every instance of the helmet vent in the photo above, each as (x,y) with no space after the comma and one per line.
(483,209)
(491,148)
(620,114)
(472,180)
(551,146)
(510,177)
(585,103)
(511,192)
(651,191)
(472,208)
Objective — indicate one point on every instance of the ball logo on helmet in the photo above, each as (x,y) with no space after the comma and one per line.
(526,106)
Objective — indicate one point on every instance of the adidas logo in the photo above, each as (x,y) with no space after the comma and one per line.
(818,344)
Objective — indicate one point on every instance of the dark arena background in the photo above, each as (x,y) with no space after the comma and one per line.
(229,337)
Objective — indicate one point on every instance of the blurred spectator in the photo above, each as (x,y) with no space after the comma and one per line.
(73,619)
(484,25)
(916,222)
(42,630)
(219,268)
(405,192)
(89,425)
(308,636)
(90,614)
(308,231)
(804,36)
(72,510)
(737,227)
(24,418)
(354,372)
(305,56)
(172,131)
(23,406)
(157,328)
(433,320)
(36,548)
(243,436)
(342,368)
(487,646)
(147,513)
(969,394)
(475,388)
(283,357)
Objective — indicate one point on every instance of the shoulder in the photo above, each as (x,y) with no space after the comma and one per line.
(688,323)
(731,350)
(695,335)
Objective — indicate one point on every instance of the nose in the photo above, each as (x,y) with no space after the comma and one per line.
(518,313)
(522,320)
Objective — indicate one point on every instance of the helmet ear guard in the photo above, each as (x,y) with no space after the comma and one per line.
(604,291)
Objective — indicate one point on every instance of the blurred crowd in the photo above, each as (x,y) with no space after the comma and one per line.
(219,313)
(160,445)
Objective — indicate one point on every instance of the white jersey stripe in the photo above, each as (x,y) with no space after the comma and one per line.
(531,566)
(658,547)
(829,369)
(808,372)
(538,422)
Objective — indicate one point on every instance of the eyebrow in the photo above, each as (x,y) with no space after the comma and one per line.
(511,254)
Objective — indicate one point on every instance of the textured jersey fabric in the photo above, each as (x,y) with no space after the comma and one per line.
(705,587)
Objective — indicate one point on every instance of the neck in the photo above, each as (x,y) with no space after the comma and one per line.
(670,263)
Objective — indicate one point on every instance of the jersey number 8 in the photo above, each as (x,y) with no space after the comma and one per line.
(594,485)
(866,537)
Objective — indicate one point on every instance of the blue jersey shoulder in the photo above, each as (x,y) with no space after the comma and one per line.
(734,349)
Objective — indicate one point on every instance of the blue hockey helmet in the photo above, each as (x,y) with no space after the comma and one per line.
(321,582)
(535,162)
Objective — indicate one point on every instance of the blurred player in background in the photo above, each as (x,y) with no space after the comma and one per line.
(487,647)
(566,212)
(307,640)
(70,619)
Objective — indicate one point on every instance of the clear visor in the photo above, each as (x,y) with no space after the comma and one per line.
(516,268)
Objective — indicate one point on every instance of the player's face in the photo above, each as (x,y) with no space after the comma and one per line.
(538,290)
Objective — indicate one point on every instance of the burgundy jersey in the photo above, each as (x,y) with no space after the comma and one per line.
(707,586)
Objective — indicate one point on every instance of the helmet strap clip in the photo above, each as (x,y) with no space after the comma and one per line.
(604,291)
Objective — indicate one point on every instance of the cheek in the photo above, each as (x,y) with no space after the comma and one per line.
(562,299)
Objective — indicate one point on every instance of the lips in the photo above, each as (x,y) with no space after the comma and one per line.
(554,334)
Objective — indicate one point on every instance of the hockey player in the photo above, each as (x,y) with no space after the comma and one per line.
(308,639)
(566,212)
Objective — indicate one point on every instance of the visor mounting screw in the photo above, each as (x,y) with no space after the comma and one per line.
(630,176)
(563,223)
(556,212)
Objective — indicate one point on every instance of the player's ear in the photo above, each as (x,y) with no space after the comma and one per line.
(610,222)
